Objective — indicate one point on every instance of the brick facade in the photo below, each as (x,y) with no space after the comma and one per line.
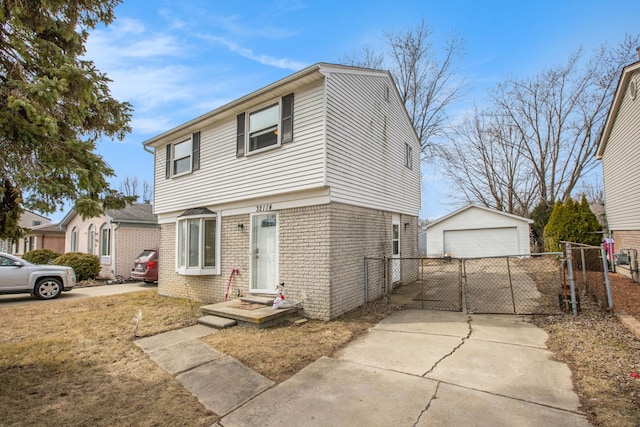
(321,256)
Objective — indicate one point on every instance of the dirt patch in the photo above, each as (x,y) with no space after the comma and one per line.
(278,353)
(626,295)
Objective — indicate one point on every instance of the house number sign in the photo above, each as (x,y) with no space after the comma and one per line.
(263,208)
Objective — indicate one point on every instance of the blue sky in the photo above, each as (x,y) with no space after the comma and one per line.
(177,60)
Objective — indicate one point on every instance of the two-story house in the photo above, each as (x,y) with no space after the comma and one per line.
(296,182)
(619,150)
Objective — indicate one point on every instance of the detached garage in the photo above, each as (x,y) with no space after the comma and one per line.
(477,231)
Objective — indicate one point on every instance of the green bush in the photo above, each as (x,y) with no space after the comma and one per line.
(571,222)
(87,266)
(40,256)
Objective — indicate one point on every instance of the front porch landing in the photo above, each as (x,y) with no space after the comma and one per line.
(254,311)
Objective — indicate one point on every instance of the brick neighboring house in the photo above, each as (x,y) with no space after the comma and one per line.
(619,151)
(117,237)
(296,182)
(42,235)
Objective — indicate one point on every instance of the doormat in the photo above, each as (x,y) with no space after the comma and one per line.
(242,305)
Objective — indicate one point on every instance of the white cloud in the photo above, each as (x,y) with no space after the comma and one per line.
(264,59)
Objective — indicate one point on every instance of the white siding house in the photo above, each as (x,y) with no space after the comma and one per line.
(477,231)
(296,182)
(619,151)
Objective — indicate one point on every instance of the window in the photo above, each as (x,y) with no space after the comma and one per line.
(74,240)
(408,156)
(395,240)
(183,157)
(198,242)
(105,242)
(34,223)
(91,239)
(265,127)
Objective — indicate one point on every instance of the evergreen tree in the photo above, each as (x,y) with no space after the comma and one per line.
(54,106)
(571,222)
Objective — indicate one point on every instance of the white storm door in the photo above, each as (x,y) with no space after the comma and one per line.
(395,252)
(264,252)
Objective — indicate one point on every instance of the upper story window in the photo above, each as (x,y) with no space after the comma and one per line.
(34,223)
(183,157)
(408,156)
(265,127)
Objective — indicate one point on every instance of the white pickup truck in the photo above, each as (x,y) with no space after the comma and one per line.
(44,281)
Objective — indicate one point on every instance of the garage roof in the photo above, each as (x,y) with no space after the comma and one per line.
(473,205)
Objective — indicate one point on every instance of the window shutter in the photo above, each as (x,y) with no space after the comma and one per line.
(167,162)
(287,118)
(195,151)
(240,136)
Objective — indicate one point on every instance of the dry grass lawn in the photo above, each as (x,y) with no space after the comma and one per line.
(74,363)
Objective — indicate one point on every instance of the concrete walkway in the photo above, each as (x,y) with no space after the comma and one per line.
(415,368)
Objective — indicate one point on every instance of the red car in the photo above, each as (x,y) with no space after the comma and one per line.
(146,266)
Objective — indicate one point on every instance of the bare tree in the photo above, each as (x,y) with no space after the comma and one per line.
(129,186)
(426,78)
(560,113)
(536,138)
(484,162)
(147,192)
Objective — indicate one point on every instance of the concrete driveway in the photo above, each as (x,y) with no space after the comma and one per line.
(93,291)
(415,368)
(426,368)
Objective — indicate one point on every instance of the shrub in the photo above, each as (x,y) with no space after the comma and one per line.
(41,256)
(571,222)
(87,266)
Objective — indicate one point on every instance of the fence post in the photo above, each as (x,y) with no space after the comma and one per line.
(513,298)
(607,283)
(385,276)
(366,281)
(584,269)
(572,283)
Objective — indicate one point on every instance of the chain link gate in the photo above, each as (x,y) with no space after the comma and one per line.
(529,284)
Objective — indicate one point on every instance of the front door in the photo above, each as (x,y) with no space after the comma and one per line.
(264,252)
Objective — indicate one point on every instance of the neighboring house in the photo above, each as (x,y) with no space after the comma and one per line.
(477,231)
(296,182)
(43,235)
(619,151)
(117,236)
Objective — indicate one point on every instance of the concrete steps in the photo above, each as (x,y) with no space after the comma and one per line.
(252,310)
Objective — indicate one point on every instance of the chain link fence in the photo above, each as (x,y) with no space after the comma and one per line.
(588,276)
(528,284)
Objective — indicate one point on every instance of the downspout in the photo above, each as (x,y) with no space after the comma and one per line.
(114,258)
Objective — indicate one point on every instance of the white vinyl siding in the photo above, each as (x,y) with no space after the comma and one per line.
(621,165)
(366,138)
(223,177)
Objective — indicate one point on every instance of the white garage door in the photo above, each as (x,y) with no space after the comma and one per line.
(482,242)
